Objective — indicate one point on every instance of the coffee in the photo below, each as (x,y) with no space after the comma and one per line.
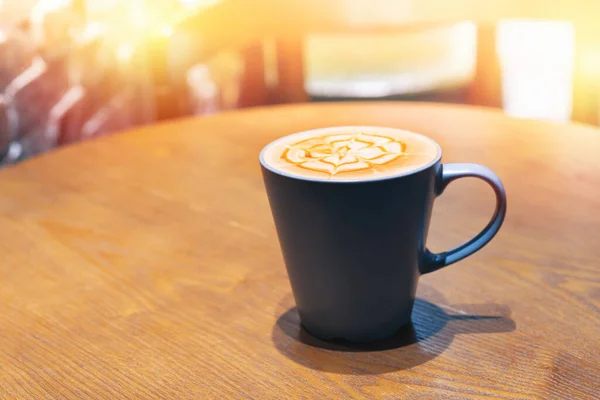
(350,153)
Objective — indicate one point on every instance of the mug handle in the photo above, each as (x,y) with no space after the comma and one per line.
(451,172)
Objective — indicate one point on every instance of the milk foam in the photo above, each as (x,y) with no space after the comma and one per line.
(350,153)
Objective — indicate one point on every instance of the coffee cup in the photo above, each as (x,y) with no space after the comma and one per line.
(352,207)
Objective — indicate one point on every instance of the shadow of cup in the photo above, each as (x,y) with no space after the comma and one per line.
(429,335)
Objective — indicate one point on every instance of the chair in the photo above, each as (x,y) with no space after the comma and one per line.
(65,119)
(288,23)
(118,114)
(8,127)
(31,96)
(16,55)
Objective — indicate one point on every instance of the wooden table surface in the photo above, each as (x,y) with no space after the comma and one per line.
(145,265)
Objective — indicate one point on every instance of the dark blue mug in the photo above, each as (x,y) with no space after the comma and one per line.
(354,250)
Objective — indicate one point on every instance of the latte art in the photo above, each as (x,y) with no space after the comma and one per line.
(335,154)
(350,153)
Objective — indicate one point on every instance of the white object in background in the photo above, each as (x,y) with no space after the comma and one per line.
(536,58)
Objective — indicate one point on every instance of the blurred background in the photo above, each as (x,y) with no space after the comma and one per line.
(71,70)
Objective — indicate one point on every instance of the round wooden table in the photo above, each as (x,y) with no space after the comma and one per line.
(145,265)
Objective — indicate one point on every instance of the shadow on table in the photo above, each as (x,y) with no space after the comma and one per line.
(431,332)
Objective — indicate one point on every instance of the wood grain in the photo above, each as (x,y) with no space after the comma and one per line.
(145,266)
